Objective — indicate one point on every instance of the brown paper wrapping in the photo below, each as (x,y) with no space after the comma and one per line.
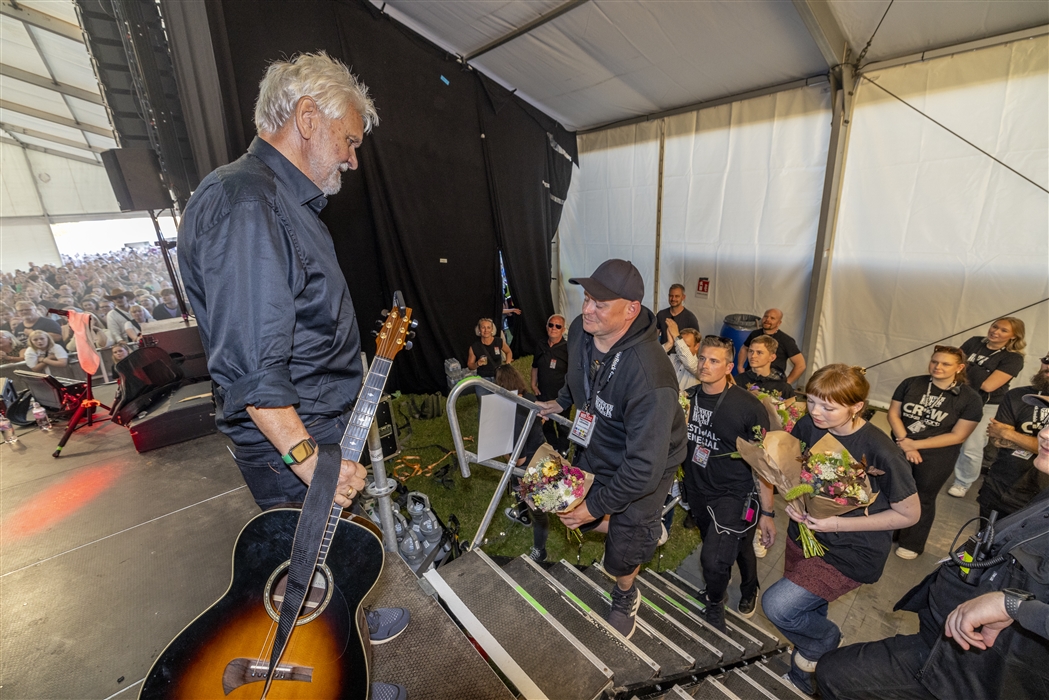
(779,463)
(541,454)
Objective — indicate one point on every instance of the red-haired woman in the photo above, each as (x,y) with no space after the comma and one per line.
(931,416)
(858,543)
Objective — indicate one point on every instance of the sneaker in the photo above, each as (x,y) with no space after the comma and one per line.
(388,691)
(804,664)
(623,615)
(797,685)
(537,555)
(760,550)
(519,514)
(385,624)
(958,491)
(747,606)
(663,536)
(715,615)
(689,523)
(904,553)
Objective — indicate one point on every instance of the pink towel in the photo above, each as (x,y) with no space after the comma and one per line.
(85,341)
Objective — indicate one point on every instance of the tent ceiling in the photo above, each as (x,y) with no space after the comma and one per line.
(608,60)
(50,100)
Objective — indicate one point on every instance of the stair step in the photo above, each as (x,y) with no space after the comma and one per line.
(746,687)
(629,665)
(768,678)
(518,635)
(712,689)
(708,654)
(769,641)
(675,693)
(738,630)
(672,659)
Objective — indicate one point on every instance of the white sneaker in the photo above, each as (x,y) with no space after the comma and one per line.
(804,664)
(958,491)
(760,550)
(663,535)
(904,553)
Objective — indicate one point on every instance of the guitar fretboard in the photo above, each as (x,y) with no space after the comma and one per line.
(356,435)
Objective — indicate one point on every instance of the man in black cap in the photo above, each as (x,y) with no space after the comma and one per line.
(629,425)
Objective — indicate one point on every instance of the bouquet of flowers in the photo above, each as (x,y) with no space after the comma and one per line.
(783,413)
(682,400)
(551,484)
(822,481)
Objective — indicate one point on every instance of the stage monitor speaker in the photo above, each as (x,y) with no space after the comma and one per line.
(186,414)
(134,174)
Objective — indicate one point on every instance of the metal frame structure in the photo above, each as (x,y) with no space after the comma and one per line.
(465,457)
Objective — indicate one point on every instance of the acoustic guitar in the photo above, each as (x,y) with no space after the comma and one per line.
(225,652)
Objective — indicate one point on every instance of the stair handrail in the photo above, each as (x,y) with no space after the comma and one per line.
(465,456)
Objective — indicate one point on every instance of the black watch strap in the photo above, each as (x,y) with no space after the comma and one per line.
(1013,598)
(768,513)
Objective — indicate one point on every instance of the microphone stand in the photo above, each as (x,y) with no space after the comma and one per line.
(165,246)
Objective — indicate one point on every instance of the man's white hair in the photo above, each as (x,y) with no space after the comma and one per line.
(327,80)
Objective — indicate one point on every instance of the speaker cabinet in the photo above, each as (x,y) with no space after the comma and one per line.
(134,174)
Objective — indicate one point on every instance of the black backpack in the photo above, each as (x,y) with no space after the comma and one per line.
(147,376)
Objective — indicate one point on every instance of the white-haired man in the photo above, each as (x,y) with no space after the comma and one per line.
(271,301)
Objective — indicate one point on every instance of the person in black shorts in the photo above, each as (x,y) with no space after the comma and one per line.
(623,385)
(931,416)
(991,363)
(787,350)
(549,369)
(725,499)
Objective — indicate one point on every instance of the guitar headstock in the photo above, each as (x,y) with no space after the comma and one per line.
(395,329)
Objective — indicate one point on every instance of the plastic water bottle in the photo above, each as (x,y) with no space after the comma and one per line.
(40,416)
(7,430)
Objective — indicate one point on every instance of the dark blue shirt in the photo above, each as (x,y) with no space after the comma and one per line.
(271,302)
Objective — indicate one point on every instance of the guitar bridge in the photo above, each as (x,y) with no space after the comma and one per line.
(243,671)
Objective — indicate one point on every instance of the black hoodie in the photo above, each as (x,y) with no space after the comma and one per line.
(639,435)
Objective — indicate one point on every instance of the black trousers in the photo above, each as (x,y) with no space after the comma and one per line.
(929,476)
(557,435)
(884,670)
(725,541)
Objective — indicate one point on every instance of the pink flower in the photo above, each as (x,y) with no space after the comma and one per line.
(841,501)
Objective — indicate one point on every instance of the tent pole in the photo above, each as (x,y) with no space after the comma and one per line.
(842,103)
(659,211)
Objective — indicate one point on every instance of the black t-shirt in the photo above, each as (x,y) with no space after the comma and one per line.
(161,312)
(736,417)
(685,319)
(42,324)
(861,555)
(551,365)
(773,382)
(928,411)
(787,348)
(982,362)
(1013,480)
(493,352)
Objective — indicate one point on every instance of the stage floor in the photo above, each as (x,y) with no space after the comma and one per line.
(106,554)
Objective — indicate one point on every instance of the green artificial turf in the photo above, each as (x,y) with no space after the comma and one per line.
(467,498)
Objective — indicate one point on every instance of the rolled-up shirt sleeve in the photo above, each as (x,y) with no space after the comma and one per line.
(250,272)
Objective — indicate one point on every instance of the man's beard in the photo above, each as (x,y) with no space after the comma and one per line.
(1040,381)
(333,184)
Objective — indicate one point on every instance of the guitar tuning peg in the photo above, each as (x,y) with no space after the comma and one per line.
(411,334)
(379,322)
(414,324)
(375,334)
(408,345)
(384,313)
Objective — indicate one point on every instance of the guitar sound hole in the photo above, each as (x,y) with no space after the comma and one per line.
(317,596)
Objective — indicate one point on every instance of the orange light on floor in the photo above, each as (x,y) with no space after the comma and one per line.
(58,502)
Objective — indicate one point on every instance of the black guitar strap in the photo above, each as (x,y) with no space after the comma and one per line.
(305,548)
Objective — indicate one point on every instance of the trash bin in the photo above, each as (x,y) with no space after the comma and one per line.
(737,327)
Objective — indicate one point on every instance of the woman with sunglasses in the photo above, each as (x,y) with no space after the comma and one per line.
(992,362)
(931,416)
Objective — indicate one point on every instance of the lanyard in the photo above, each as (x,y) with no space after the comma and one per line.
(717,404)
(598,384)
(928,392)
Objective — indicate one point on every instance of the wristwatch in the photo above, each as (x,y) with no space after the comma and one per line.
(768,513)
(300,452)
(1013,598)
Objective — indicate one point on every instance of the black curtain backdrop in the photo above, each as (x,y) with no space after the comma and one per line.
(457,169)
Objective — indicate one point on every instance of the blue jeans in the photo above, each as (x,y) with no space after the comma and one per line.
(967,468)
(270,480)
(802,618)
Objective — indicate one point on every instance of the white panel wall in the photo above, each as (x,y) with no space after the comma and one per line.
(17,194)
(69,187)
(741,199)
(610,211)
(933,236)
(26,240)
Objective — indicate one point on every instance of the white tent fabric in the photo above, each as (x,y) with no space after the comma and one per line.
(934,236)
(26,240)
(742,185)
(611,208)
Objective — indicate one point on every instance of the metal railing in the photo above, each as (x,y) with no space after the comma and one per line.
(466,457)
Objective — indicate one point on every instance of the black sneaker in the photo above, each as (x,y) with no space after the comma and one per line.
(715,615)
(747,606)
(537,555)
(385,624)
(519,514)
(623,615)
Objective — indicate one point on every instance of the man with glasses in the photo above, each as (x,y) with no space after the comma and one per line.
(628,422)
(30,320)
(1012,481)
(549,369)
(725,499)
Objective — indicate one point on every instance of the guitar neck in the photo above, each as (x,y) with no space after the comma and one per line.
(356,435)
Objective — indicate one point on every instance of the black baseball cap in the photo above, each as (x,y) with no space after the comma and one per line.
(1036,400)
(613,279)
